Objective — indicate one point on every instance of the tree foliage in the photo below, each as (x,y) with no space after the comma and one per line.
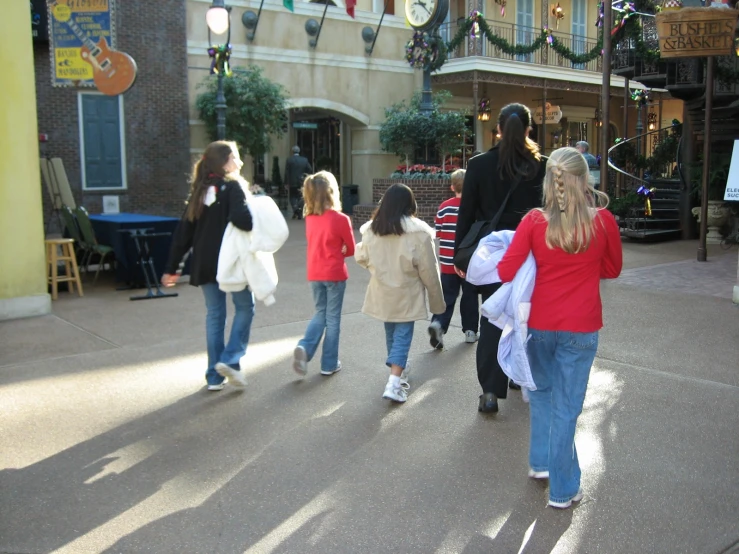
(256,109)
(406,127)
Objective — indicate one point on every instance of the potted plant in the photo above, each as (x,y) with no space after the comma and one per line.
(718,211)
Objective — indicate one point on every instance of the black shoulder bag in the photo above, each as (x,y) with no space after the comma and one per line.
(480,229)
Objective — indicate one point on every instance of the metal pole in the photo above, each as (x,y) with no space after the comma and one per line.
(220,109)
(702,254)
(544,118)
(606,93)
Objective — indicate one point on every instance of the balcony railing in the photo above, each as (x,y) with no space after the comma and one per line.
(518,34)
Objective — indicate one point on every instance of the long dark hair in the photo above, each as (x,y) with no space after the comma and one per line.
(518,153)
(397,202)
(208,170)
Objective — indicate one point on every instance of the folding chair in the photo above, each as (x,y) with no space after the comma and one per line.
(88,236)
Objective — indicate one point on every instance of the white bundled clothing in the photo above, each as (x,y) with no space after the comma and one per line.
(246,256)
(509,307)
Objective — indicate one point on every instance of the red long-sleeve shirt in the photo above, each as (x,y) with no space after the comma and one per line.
(326,235)
(566,293)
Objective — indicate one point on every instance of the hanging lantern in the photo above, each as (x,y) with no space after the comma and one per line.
(484,110)
(558,13)
(598,117)
(651,121)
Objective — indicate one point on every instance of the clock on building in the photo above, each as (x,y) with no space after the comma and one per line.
(423,14)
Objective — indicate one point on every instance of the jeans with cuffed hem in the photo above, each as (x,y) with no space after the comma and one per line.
(468,305)
(560,365)
(328,297)
(398,337)
(215,328)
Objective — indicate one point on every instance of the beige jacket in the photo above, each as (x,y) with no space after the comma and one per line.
(401,267)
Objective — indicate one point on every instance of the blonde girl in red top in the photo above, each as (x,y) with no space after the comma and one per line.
(330,239)
(575,245)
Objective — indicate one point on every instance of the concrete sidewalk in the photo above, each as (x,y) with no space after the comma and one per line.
(111,444)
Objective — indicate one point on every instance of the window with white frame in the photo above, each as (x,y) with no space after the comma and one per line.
(102,141)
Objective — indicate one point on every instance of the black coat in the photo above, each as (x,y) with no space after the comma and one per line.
(295,167)
(204,235)
(484,192)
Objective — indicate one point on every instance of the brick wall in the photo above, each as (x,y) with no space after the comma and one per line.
(155,112)
(429,194)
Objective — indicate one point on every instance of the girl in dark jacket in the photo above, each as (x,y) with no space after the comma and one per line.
(489,176)
(217,197)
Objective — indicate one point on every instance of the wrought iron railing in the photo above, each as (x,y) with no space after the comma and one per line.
(519,34)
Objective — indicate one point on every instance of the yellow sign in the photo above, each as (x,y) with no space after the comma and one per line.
(61,12)
(70,65)
(88,5)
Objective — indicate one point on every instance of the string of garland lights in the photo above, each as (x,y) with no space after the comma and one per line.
(431,52)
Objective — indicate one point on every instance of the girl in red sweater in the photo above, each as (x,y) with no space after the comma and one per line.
(575,245)
(330,239)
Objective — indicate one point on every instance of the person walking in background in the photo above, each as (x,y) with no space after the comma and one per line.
(330,239)
(574,245)
(446,226)
(513,162)
(398,250)
(296,167)
(584,149)
(217,197)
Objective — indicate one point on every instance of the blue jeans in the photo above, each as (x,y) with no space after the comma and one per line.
(215,326)
(398,337)
(468,306)
(560,365)
(328,297)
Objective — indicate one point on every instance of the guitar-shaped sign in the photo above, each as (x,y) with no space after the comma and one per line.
(113,72)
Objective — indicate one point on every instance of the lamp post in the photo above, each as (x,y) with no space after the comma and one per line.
(218,18)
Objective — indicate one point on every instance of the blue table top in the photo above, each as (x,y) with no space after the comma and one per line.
(131,218)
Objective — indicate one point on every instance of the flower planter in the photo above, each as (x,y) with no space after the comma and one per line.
(718,216)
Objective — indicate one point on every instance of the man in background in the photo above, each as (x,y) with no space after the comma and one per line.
(296,168)
(584,149)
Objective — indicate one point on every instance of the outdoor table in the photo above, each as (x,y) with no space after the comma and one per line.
(108,229)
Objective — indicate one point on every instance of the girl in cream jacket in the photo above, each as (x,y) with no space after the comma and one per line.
(398,249)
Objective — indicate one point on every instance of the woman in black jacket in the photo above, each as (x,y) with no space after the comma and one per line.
(487,181)
(217,197)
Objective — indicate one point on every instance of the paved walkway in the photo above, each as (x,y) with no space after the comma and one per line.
(111,444)
(715,277)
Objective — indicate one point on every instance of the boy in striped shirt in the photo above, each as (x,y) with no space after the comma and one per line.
(446,226)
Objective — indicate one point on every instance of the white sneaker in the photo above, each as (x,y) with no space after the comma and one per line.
(538,474)
(235,378)
(405,376)
(396,394)
(565,505)
(219,386)
(331,371)
(300,361)
(436,335)
(471,336)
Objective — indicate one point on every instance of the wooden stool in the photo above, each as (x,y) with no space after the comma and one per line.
(72,273)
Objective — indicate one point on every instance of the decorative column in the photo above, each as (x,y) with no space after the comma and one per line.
(23,288)
(545,23)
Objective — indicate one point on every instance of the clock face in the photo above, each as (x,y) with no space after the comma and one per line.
(420,12)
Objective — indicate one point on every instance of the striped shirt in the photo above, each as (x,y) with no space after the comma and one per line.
(446,228)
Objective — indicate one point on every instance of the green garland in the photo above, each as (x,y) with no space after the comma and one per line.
(546,37)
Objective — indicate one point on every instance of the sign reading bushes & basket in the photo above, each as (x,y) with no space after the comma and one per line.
(695,32)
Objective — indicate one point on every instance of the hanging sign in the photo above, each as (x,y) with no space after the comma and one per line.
(732,183)
(696,32)
(553,114)
(81,40)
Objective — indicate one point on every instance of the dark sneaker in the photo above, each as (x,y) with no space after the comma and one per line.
(436,335)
